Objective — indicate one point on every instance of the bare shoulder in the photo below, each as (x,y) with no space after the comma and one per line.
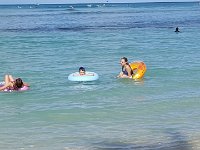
(127,67)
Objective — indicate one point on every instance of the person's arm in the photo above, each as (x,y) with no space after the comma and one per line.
(120,75)
(26,84)
(129,70)
(90,74)
(76,74)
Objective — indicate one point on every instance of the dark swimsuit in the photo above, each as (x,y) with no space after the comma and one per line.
(125,72)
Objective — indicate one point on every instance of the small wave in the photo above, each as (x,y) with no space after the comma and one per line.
(116,25)
(26,29)
(64,29)
(92,28)
(73,28)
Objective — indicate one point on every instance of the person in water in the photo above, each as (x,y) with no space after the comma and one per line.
(82,72)
(126,69)
(12,84)
(177,29)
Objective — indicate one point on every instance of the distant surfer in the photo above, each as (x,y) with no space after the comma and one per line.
(177,30)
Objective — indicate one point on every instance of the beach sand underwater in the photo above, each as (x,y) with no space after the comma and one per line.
(43,44)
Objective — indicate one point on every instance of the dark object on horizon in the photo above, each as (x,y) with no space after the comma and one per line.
(177,29)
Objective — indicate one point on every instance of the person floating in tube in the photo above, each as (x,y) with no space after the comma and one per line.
(126,69)
(82,72)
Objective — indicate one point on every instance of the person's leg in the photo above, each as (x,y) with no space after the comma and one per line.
(6,79)
(11,79)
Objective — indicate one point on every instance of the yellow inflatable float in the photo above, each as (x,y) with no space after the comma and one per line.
(139,68)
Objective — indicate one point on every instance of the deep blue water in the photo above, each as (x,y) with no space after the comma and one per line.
(43,44)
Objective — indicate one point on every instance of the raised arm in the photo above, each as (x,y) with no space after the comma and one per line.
(26,84)
(129,70)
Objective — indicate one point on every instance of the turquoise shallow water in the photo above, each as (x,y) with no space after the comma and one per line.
(43,45)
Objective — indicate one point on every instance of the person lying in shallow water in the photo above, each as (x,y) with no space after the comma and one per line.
(12,84)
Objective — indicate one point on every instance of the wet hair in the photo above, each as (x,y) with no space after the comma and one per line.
(125,59)
(18,83)
(81,68)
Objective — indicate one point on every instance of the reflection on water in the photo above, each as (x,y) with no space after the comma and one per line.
(174,141)
(77,87)
(132,82)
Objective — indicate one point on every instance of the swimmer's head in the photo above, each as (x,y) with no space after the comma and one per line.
(18,83)
(82,71)
(123,61)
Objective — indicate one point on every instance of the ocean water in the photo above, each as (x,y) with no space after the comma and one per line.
(43,44)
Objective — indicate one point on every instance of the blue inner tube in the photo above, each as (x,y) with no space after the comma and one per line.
(89,76)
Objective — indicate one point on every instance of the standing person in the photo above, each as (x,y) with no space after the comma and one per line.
(126,69)
(12,84)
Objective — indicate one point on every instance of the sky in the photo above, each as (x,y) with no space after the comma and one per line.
(80,1)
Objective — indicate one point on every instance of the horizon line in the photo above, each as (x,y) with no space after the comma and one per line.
(101,3)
